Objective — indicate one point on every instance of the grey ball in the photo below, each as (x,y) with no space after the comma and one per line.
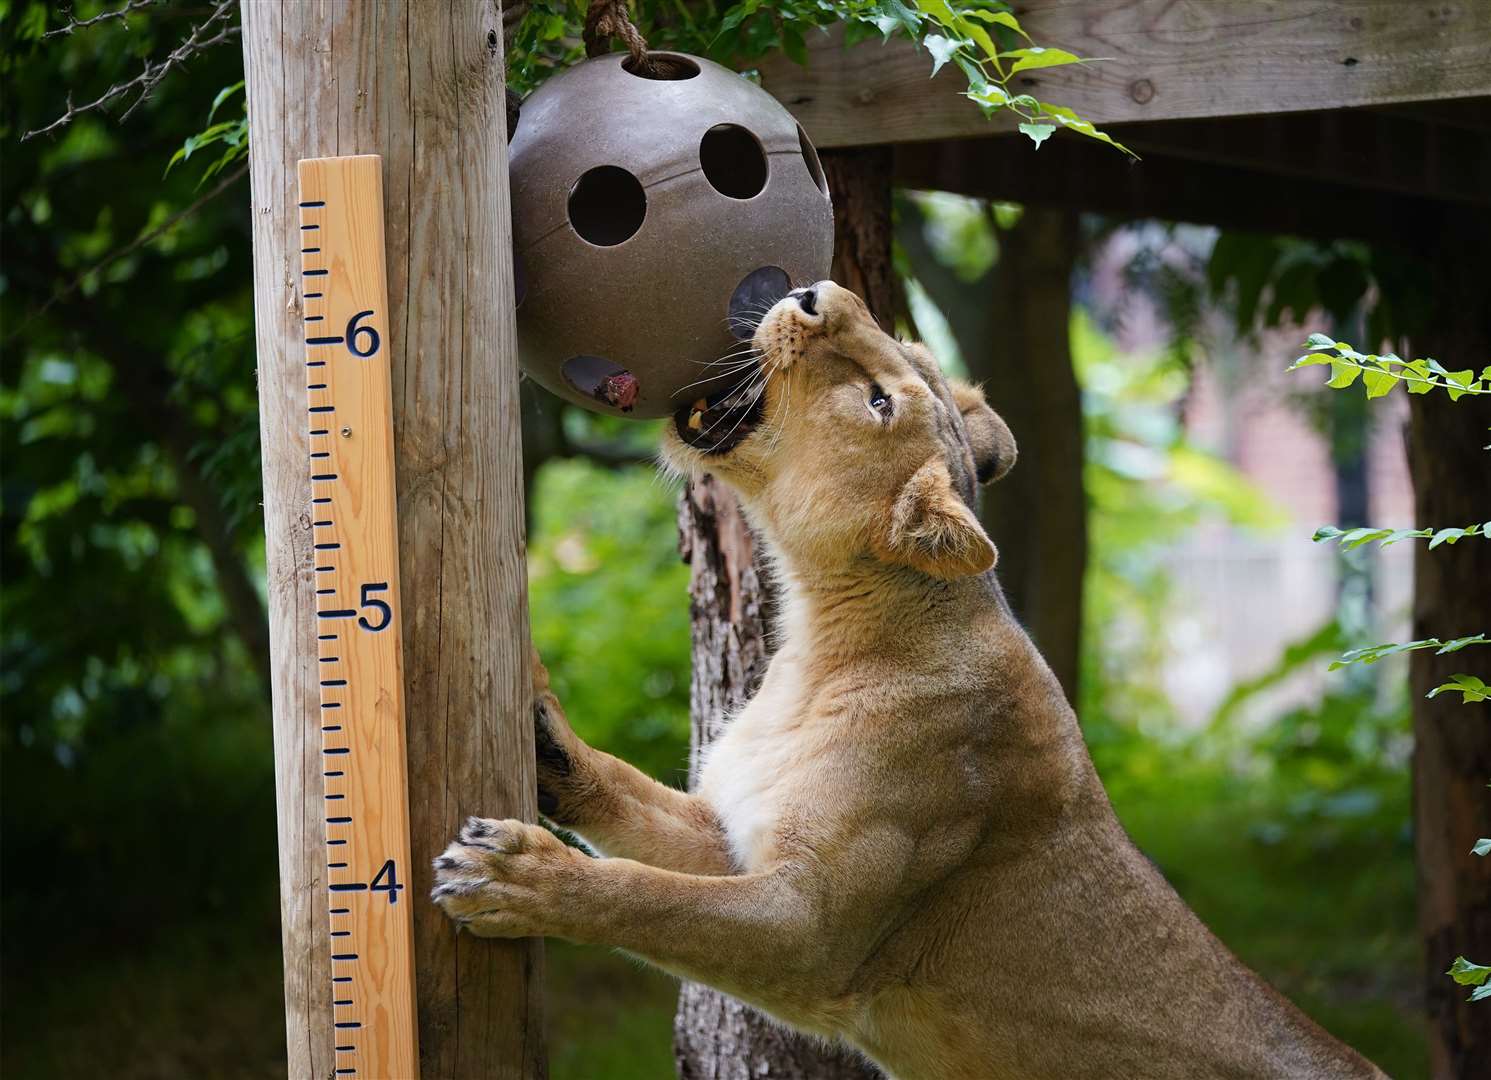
(653,220)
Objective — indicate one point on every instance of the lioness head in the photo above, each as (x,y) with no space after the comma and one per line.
(847,444)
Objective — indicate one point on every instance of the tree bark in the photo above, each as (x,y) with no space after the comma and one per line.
(714,1036)
(1452,742)
(1037,515)
(420,83)
(860,182)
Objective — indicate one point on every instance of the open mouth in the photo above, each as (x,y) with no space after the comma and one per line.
(719,423)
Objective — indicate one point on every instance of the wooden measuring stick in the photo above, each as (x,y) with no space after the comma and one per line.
(358,638)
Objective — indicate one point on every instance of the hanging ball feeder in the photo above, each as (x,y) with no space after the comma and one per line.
(659,208)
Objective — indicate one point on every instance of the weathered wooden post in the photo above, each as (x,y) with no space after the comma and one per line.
(419,82)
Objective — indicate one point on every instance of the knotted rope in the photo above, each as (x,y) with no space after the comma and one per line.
(608,19)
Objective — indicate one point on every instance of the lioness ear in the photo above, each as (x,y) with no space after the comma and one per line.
(988,435)
(932,530)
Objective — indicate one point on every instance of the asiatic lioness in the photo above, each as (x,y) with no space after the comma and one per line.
(901,841)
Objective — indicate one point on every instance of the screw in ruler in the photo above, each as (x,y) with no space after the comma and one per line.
(358,637)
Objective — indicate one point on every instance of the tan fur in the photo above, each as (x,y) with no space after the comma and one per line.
(900,842)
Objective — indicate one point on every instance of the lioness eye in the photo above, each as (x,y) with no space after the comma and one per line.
(879,400)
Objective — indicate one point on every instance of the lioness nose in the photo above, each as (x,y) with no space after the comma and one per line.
(807,299)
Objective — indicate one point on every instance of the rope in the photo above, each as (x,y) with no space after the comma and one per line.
(608,19)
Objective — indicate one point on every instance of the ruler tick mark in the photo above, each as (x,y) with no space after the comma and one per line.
(337,750)
(337,340)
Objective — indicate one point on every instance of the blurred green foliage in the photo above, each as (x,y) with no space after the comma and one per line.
(608,597)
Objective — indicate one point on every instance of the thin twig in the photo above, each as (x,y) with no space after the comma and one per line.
(148,79)
(117,13)
(138,242)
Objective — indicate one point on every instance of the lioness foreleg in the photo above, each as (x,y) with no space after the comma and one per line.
(617,808)
(748,934)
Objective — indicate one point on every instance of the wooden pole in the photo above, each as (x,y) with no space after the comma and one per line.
(419,82)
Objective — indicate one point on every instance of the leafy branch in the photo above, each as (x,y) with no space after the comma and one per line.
(1351,539)
(1370,654)
(1469,687)
(1379,374)
(983,39)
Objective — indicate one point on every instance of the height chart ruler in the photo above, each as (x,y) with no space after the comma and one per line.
(358,636)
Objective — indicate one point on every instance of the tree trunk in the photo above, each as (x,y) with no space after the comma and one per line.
(1452,742)
(714,1036)
(421,84)
(1037,515)
(860,182)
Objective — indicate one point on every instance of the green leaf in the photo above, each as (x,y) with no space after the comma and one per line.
(1447,536)
(1423,381)
(1070,120)
(1038,133)
(1003,18)
(1379,383)
(1311,358)
(942,50)
(939,10)
(1343,374)
(1036,57)
(1482,846)
(1468,974)
(1459,643)
(1481,993)
(223,95)
(1320,341)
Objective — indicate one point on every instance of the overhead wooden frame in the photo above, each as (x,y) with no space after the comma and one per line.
(1163,60)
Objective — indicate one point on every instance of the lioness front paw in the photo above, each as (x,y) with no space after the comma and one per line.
(559,753)
(502,878)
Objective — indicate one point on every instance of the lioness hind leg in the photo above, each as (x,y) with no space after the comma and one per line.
(617,808)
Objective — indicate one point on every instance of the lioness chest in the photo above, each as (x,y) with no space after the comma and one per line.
(752,772)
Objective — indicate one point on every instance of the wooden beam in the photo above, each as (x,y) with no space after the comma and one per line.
(1091,177)
(419,82)
(1360,148)
(1168,60)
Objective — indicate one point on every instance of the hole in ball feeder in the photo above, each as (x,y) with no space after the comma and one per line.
(810,159)
(753,298)
(733,161)
(667,67)
(603,380)
(607,205)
